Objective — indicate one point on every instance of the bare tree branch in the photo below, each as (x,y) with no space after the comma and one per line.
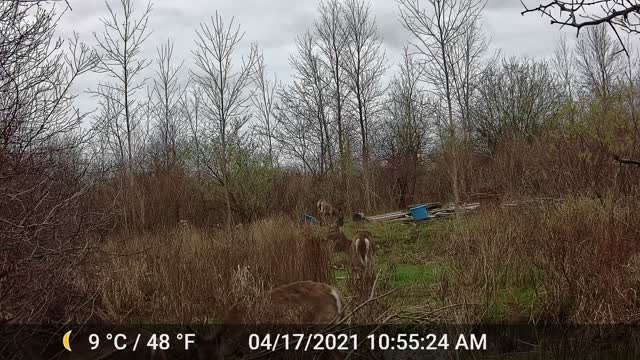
(618,14)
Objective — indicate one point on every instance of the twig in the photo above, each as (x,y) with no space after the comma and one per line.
(626,161)
(366,303)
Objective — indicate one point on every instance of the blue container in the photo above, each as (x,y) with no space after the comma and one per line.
(419,212)
(309,218)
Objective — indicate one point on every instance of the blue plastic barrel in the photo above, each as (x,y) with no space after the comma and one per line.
(419,212)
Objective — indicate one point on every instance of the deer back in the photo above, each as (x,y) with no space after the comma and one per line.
(298,303)
(302,302)
(362,249)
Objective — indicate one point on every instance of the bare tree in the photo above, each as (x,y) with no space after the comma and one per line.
(264,102)
(467,57)
(436,29)
(406,127)
(297,134)
(365,66)
(631,86)
(191,110)
(562,62)
(621,15)
(166,94)
(599,62)
(44,223)
(331,39)
(227,96)
(120,45)
(304,131)
(514,99)
(168,127)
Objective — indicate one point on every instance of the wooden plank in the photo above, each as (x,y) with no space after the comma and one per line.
(388,218)
(435,211)
(408,218)
(443,215)
(382,217)
(465,207)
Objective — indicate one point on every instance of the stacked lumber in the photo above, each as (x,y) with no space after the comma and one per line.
(451,210)
(389,216)
(435,212)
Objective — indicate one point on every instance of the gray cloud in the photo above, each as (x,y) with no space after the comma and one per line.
(504,4)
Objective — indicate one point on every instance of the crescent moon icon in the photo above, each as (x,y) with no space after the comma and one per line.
(65,340)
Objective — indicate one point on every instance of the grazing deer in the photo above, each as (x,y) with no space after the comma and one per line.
(327,210)
(43,349)
(298,303)
(360,249)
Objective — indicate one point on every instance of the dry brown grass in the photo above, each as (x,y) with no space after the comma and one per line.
(573,261)
(191,275)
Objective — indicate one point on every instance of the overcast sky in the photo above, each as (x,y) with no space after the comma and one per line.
(274,24)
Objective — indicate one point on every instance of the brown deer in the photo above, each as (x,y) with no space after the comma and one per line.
(363,250)
(360,249)
(44,349)
(326,210)
(298,303)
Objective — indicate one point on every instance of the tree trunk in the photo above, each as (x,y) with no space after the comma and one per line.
(452,130)
(228,202)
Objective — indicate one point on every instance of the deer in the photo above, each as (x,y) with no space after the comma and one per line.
(44,349)
(297,303)
(325,209)
(360,249)
(363,249)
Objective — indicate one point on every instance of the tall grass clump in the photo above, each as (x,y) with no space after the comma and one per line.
(570,262)
(585,250)
(365,292)
(190,275)
(485,257)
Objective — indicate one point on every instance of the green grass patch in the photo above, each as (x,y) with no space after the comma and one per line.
(514,304)
(409,251)
(404,275)
(408,275)
(399,242)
